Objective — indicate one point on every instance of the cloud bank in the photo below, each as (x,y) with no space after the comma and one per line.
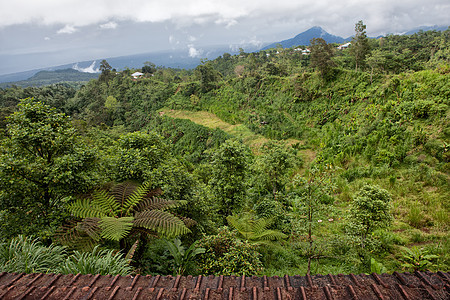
(380,15)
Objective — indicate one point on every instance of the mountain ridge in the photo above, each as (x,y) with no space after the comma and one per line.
(302,39)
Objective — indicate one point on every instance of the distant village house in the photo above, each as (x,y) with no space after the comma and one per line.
(344,46)
(137,75)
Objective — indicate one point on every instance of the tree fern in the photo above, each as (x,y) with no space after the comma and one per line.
(126,210)
(136,197)
(255,231)
(85,208)
(161,221)
(115,228)
(106,202)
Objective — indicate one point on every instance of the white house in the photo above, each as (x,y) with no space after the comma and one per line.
(137,75)
(344,46)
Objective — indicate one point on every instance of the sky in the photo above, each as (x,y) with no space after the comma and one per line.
(43,33)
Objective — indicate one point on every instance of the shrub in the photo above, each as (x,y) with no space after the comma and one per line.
(226,255)
(369,211)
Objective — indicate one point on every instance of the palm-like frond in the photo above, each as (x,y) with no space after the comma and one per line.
(134,198)
(255,231)
(121,192)
(161,222)
(106,202)
(128,208)
(85,208)
(132,250)
(156,203)
(115,228)
(75,236)
(91,227)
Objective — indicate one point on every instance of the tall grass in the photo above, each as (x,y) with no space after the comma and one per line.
(23,254)
(103,262)
(27,255)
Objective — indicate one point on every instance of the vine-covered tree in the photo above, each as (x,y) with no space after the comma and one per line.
(229,174)
(274,164)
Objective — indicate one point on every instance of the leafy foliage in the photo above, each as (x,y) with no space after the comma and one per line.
(183,257)
(228,178)
(369,211)
(417,259)
(227,255)
(41,162)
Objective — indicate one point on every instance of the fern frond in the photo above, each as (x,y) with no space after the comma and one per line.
(136,197)
(84,208)
(156,203)
(91,227)
(242,226)
(70,235)
(115,228)
(188,221)
(161,222)
(106,202)
(132,250)
(260,225)
(122,191)
(255,231)
(271,235)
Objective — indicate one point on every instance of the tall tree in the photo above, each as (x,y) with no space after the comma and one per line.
(321,54)
(312,191)
(360,45)
(274,164)
(41,161)
(105,68)
(229,174)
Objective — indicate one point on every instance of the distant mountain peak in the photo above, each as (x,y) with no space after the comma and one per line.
(304,38)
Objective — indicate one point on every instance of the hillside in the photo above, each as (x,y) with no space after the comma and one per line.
(42,78)
(282,166)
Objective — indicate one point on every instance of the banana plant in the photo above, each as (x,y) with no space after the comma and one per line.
(182,256)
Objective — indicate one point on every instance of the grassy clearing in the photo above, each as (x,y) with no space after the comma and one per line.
(240,131)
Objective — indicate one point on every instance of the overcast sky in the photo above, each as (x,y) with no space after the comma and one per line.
(40,33)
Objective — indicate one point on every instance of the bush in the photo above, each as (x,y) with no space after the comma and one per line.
(226,255)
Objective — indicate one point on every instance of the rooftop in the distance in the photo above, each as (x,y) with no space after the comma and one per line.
(409,286)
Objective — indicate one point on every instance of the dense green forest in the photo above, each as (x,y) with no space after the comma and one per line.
(267,163)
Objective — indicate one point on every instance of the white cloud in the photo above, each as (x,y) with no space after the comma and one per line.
(47,38)
(90,69)
(193,52)
(109,25)
(338,15)
(68,29)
